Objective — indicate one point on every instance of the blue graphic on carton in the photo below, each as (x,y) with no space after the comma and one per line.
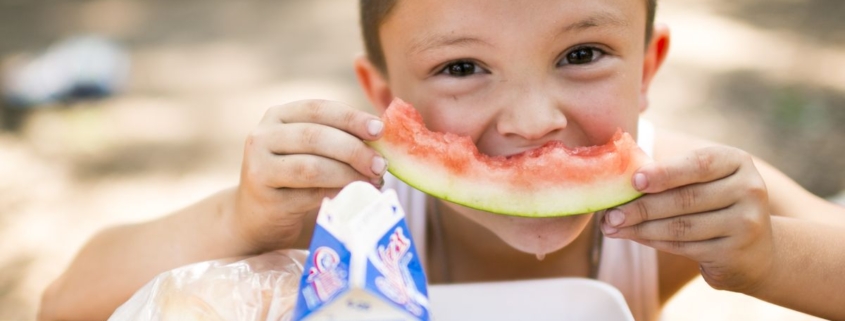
(396,272)
(327,275)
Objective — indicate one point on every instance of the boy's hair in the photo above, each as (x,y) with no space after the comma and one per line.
(374,12)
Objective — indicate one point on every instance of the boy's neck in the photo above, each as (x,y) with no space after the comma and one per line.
(460,250)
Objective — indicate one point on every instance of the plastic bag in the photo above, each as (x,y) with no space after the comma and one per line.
(262,287)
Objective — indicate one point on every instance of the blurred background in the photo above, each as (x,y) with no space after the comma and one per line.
(164,126)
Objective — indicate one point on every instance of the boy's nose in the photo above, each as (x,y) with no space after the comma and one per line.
(532,116)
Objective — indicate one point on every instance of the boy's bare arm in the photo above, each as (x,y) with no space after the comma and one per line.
(300,153)
(808,233)
(807,271)
(118,261)
(787,198)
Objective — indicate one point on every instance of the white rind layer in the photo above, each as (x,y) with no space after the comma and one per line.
(504,198)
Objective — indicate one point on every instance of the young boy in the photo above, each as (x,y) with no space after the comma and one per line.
(512,75)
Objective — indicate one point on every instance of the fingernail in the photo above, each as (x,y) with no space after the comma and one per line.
(615,217)
(374,127)
(379,165)
(640,182)
(608,230)
(377,182)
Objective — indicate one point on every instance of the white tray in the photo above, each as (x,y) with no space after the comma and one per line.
(570,299)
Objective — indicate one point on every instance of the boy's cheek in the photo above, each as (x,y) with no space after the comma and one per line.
(461,115)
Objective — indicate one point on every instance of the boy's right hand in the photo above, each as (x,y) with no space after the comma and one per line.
(300,153)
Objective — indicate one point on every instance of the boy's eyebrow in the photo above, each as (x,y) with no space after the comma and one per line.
(602,18)
(428,43)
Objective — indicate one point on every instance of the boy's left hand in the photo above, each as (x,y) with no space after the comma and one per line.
(711,206)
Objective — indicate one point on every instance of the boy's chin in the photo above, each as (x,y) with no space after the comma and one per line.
(536,235)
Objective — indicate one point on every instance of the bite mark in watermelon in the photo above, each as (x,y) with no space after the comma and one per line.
(548,181)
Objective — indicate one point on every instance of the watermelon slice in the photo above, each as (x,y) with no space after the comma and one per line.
(548,181)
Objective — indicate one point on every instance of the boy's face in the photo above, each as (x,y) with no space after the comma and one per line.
(514,75)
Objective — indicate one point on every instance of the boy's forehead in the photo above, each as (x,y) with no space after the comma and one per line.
(430,15)
(427,9)
(426,23)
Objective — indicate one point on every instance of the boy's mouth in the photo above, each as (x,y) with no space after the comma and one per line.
(532,150)
(528,150)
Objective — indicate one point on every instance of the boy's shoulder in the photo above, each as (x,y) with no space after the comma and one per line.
(669,143)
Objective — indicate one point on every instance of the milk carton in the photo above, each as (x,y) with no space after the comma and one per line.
(362,263)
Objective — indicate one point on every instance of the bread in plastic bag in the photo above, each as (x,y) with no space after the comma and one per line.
(262,287)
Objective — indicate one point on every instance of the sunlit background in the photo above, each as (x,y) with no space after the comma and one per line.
(764,75)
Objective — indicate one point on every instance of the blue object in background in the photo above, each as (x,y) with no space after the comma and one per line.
(80,67)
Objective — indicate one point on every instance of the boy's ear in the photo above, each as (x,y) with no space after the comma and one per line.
(374,83)
(655,54)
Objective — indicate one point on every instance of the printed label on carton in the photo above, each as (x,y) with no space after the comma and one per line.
(326,274)
(396,270)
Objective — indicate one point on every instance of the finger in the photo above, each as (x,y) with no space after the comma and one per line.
(333,114)
(298,200)
(688,199)
(684,228)
(308,171)
(701,165)
(699,250)
(330,142)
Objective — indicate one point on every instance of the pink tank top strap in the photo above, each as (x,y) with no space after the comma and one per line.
(632,267)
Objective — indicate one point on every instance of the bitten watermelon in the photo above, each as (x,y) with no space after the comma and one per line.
(548,181)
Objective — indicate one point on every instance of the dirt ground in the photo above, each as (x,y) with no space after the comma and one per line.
(764,75)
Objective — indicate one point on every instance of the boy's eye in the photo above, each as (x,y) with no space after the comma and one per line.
(462,69)
(581,56)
